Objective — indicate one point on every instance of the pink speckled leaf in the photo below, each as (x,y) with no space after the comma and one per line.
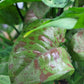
(38,57)
(78,45)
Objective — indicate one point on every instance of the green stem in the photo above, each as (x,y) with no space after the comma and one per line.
(22,18)
(15,29)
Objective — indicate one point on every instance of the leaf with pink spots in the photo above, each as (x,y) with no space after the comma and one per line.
(38,57)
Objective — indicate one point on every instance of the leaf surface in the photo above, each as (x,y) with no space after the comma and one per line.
(76,13)
(77,45)
(65,23)
(39,57)
(5,3)
(4,79)
(9,15)
(57,3)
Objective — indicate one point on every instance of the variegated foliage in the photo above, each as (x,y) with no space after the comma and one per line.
(38,58)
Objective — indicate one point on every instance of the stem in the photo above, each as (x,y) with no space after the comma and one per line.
(16,29)
(22,18)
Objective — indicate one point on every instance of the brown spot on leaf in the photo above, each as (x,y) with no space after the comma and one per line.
(10,66)
(25,73)
(30,15)
(16,79)
(14,72)
(43,38)
(44,77)
(69,65)
(15,57)
(61,36)
(57,39)
(34,27)
(68,70)
(3,47)
(19,45)
(69,58)
(30,47)
(37,53)
(36,64)
(29,51)
(44,28)
(21,83)
(27,60)
(79,51)
(31,42)
(39,83)
(31,38)
(80,33)
(63,39)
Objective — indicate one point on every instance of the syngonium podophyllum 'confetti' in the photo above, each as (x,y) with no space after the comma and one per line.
(77,44)
(38,57)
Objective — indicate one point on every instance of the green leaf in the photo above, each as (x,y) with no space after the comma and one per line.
(38,58)
(80,22)
(80,3)
(77,13)
(4,52)
(46,68)
(39,9)
(5,3)
(77,45)
(76,78)
(50,82)
(9,15)
(4,68)
(36,10)
(65,23)
(4,79)
(57,3)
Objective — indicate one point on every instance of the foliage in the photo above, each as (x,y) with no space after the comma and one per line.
(57,3)
(42,43)
(9,12)
(4,79)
